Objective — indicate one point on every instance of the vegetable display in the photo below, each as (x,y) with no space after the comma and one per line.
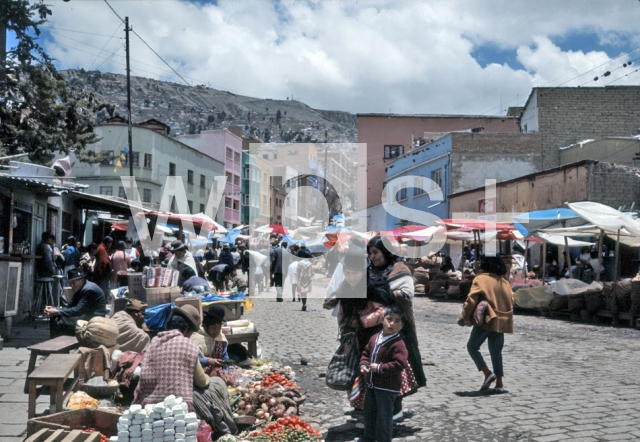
(284,430)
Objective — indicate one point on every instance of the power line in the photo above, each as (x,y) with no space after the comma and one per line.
(105,45)
(79,32)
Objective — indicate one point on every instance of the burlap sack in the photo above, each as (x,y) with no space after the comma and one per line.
(98,331)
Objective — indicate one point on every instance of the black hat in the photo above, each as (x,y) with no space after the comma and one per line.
(355,259)
(177,246)
(74,274)
(215,313)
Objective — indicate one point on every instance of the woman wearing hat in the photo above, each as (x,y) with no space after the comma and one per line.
(395,272)
(181,258)
(212,344)
(171,367)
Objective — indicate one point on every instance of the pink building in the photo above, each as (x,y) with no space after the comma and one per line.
(225,147)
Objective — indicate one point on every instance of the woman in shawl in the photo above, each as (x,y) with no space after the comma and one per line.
(392,269)
(212,344)
(362,301)
(304,276)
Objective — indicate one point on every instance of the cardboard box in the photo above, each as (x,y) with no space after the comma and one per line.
(135,286)
(160,295)
(196,302)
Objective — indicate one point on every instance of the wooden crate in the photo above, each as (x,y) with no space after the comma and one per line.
(103,421)
(47,435)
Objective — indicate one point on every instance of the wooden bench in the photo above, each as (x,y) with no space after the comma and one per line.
(61,344)
(250,338)
(53,372)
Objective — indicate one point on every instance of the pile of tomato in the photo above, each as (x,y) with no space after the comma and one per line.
(277,378)
(103,438)
(286,429)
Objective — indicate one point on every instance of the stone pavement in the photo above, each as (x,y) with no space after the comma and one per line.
(565,380)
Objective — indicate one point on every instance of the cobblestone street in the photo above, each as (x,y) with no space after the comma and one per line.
(565,380)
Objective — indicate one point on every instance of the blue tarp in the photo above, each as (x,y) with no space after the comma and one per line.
(290,240)
(231,236)
(156,317)
(531,222)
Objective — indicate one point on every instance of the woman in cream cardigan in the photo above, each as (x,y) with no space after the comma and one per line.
(492,287)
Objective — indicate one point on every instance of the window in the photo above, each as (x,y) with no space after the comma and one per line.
(189,176)
(147,160)
(246,173)
(227,203)
(418,190)
(229,154)
(203,181)
(393,151)
(122,193)
(236,180)
(246,199)
(264,200)
(136,157)
(190,204)
(146,195)
(201,208)
(236,205)
(106,190)
(108,162)
(229,177)
(236,157)
(403,192)
(172,169)
(264,177)
(436,177)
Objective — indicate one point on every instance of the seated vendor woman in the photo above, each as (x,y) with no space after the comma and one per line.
(171,367)
(212,344)
(170,364)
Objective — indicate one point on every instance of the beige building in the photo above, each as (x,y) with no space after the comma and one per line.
(619,150)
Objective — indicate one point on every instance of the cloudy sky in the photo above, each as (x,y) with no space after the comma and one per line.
(408,56)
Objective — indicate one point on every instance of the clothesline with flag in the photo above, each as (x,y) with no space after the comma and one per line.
(123,156)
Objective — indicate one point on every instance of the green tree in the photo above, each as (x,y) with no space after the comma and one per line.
(40,114)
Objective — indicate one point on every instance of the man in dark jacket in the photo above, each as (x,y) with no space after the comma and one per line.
(277,268)
(45,266)
(219,275)
(225,255)
(88,301)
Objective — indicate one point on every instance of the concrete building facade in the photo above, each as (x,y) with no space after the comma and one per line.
(455,162)
(225,147)
(567,115)
(388,136)
(618,150)
(156,156)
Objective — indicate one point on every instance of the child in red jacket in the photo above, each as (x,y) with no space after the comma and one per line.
(382,362)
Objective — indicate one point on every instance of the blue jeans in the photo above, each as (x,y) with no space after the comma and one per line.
(378,415)
(496,342)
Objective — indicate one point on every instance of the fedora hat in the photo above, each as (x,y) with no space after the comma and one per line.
(74,274)
(215,313)
(190,313)
(136,305)
(177,246)
(355,259)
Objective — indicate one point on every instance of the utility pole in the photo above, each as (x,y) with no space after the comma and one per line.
(126,26)
(324,192)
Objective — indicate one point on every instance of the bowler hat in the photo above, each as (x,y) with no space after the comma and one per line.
(136,305)
(355,259)
(216,313)
(177,246)
(74,274)
(190,313)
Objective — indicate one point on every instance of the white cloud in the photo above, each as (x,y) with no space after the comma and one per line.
(369,56)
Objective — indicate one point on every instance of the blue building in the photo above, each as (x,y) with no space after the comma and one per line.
(419,180)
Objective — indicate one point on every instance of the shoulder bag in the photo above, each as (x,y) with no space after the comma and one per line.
(344,366)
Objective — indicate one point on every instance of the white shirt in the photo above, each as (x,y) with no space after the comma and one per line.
(291,271)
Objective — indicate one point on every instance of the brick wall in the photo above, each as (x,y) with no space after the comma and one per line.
(614,185)
(495,143)
(570,115)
